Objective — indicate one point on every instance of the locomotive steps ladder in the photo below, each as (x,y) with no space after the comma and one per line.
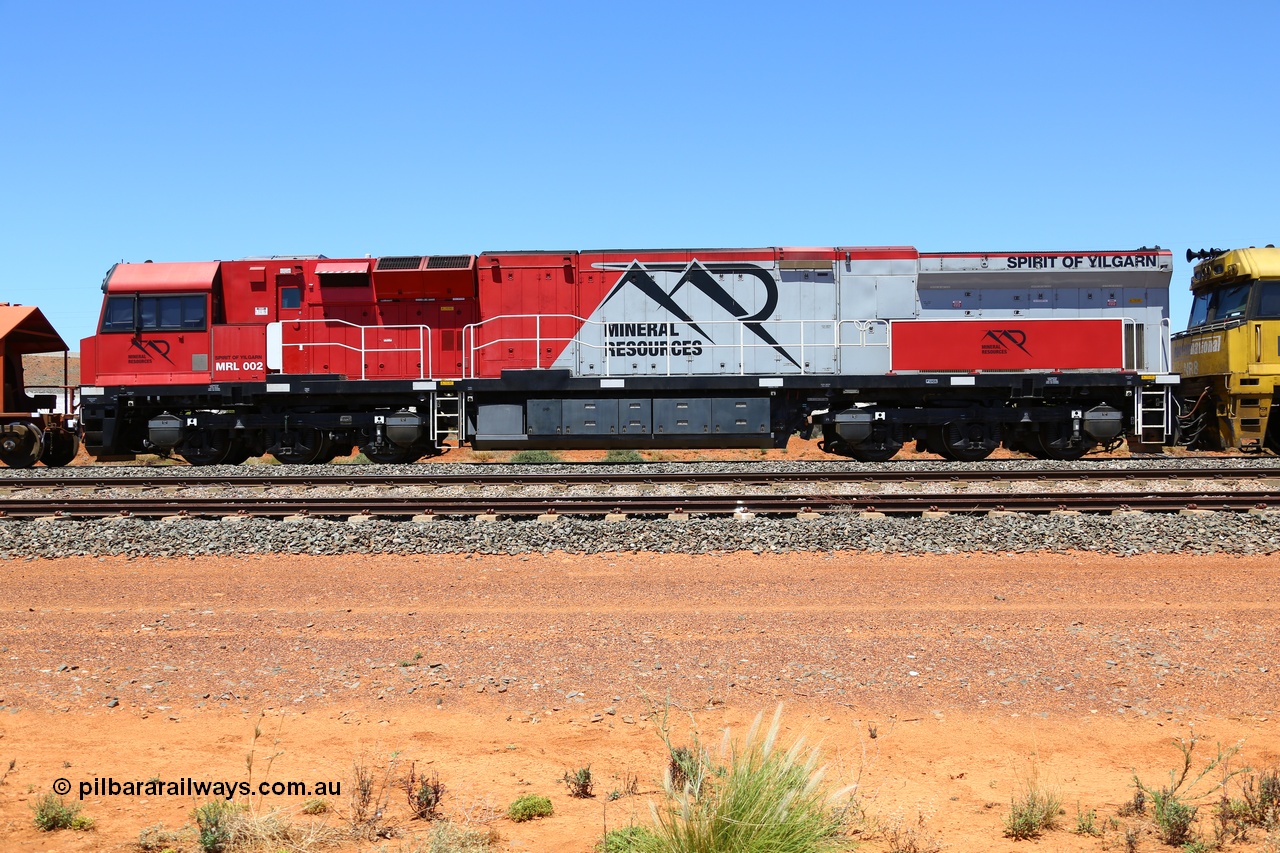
(448,413)
(1153,413)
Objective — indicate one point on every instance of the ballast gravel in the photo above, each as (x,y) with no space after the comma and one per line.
(1138,533)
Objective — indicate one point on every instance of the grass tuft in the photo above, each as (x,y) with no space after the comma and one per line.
(911,838)
(155,838)
(452,838)
(628,839)
(535,457)
(357,459)
(756,796)
(223,827)
(1032,813)
(315,806)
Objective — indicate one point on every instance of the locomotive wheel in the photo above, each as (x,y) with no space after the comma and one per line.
(206,447)
(60,449)
(390,454)
(20,445)
(1051,443)
(871,453)
(239,452)
(312,447)
(952,443)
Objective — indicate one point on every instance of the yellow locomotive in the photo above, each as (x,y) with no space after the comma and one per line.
(1229,356)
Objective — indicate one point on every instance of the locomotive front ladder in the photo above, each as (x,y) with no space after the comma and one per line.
(1153,413)
(448,412)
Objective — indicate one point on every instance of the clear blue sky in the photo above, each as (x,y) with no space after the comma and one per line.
(195,131)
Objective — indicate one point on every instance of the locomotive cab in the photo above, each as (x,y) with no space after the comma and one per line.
(1229,356)
(298,356)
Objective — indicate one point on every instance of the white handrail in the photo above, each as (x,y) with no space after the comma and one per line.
(1166,357)
(426,367)
(474,346)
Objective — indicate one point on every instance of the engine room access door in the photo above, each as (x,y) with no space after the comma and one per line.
(290,295)
(805,333)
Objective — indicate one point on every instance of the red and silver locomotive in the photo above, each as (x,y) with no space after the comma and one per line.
(305,357)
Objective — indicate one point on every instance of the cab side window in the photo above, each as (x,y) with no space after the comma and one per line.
(155,314)
(1229,303)
(290,297)
(1268,300)
(193,313)
(1199,311)
(119,314)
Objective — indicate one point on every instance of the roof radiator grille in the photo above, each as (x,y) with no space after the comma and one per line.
(404,263)
(449,262)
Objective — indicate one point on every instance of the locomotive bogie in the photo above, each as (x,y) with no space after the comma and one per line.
(395,421)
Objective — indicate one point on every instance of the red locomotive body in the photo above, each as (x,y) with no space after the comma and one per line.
(978,345)
(304,357)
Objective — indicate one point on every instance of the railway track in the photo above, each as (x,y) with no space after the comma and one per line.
(426,507)
(165,477)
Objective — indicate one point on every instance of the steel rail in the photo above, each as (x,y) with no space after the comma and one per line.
(595,476)
(641,505)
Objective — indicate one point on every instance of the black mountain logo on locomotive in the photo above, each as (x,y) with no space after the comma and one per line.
(699,276)
(1001,338)
(160,347)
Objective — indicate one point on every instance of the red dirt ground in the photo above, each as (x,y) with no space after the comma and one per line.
(976,673)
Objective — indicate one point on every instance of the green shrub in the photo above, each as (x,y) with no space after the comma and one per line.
(758,796)
(629,839)
(1173,806)
(1032,813)
(1174,818)
(685,767)
(623,457)
(52,812)
(529,807)
(535,457)
(579,782)
(214,821)
(423,794)
(1087,822)
(1261,793)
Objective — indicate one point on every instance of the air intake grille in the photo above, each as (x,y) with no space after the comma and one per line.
(399,263)
(449,262)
